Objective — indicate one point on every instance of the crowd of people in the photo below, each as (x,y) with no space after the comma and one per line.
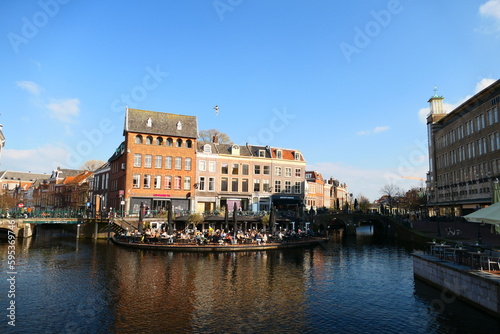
(215,236)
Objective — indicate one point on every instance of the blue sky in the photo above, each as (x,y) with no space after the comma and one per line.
(346,82)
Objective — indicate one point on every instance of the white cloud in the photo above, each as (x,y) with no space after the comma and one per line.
(424,112)
(491,8)
(43,159)
(64,110)
(377,129)
(483,84)
(30,86)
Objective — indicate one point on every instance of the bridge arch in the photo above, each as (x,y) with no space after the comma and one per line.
(350,221)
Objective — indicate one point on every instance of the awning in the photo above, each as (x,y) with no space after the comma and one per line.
(286,200)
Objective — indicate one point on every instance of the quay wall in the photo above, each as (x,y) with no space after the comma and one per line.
(480,289)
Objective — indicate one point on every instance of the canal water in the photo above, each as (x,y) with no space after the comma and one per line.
(350,285)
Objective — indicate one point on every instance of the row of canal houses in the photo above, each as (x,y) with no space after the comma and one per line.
(161,160)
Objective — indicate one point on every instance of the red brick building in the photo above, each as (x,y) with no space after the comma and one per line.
(155,163)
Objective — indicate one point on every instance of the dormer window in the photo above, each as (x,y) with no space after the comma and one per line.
(279,154)
(149,122)
(179,125)
(297,155)
(235,150)
(207,148)
(262,153)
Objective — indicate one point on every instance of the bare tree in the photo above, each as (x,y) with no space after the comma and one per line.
(363,203)
(392,193)
(207,136)
(92,165)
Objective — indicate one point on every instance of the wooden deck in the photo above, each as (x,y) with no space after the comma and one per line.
(213,248)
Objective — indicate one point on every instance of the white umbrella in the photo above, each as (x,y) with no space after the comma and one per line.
(488,215)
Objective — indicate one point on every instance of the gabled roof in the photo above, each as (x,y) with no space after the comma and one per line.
(314,175)
(227,149)
(286,153)
(254,149)
(21,176)
(160,123)
(77,178)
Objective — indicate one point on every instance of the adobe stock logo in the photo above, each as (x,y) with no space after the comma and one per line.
(30,28)
(223,6)
(363,37)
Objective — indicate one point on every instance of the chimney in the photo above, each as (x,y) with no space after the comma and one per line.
(215,139)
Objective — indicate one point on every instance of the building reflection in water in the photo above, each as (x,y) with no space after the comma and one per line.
(228,291)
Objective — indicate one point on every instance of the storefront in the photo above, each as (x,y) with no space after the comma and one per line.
(286,202)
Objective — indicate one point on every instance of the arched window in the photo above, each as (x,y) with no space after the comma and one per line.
(159,141)
(170,142)
(189,143)
(138,139)
(179,143)
(149,140)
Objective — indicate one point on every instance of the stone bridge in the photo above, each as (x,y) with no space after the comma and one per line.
(383,225)
(25,227)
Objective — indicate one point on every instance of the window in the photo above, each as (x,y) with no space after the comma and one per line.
(136,181)
(149,122)
(207,148)
(179,125)
(211,166)
(224,168)
(256,185)
(288,171)
(147,181)
(149,140)
(159,141)
(178,143)
(266,170)
(168,162)
(148,160)
(177,182)
(277,186)
(288,187)
(137,160)
(158,161)
(211,184)
(277,171)
(138,139)
(298,172)
(187,164)
(168,182)
(266,186)
(178,163)
(279,154)
(201,183)
(256,169)
(298,187)
(158,182)
(202,165)
(223,184)
(170,142)
(234,184)
(189,143)
(236,168)
(297,155)
(244,169)
(262,153)
(244,185)
(187,182)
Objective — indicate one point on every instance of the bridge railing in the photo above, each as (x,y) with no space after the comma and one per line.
(44,214)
